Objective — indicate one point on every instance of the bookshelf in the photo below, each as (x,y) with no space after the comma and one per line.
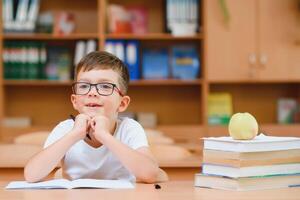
(178,104)
(153,36)
(45,36)
(147,95)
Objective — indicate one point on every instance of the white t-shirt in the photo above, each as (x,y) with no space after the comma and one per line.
(85,161)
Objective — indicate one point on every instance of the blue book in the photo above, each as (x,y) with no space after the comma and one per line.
(132,59)
(155,63)
(185,62)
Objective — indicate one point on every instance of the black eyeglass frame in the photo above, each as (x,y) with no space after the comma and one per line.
(95,85)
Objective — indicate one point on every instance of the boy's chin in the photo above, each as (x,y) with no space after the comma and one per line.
(92,113)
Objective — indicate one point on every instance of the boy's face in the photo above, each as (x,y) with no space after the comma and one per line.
(93,103)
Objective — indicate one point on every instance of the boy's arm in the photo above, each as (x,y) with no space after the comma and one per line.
(40,165)
(139,162)
(162,175)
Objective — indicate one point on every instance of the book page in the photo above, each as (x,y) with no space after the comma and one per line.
(94,183)
(56,183)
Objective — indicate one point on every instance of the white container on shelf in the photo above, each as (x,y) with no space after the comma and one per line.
(183,29)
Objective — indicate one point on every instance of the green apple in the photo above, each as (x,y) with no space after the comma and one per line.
(243,126)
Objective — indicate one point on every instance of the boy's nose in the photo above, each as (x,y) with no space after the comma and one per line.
(93,91)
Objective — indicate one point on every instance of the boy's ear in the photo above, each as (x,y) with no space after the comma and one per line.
(124,103)
(73,100)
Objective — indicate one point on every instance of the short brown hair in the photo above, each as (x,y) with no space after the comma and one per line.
(104,60)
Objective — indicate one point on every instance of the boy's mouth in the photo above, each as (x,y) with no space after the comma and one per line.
(93,105)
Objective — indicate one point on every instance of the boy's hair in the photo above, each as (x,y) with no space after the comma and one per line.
(104,60)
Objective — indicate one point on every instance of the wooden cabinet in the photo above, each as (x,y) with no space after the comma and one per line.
(230,49)
(258,43)
(279,29)
(255,58)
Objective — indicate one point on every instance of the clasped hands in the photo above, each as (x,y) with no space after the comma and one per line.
(97,127)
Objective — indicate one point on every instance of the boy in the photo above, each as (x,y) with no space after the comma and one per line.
(97,144)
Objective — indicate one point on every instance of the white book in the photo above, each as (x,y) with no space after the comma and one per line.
(258,144)
(66,184)
(247,183)
(90,46)
(22,10)
(110,47)
(79,51)
(120,50)
(7,14)
(237,172)
(7,10)
(33,10)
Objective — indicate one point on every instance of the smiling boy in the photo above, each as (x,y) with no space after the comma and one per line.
(116,148)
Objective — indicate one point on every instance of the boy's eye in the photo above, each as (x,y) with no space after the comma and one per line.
(83,86)
(105,86)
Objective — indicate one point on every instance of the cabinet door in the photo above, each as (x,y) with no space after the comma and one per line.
(229,47)
(279,29)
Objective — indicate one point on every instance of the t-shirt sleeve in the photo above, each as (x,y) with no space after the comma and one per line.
(58,132)
(137,136)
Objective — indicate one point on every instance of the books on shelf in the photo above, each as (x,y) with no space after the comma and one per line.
(66,184)
(287,111)
(262,163)
(259,143)
(182,17)
(132,59)
(155,63)
(246,183)
(20,16)
(185,62)
(219,108)
(127,19)
(82,48)
(128,52)
(24,60)
(59,63)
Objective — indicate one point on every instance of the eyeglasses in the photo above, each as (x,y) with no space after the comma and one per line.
(104,89)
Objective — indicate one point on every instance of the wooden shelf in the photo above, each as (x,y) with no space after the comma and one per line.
(36,83)
(76,36)
(166,82)
(153,36)
(254,81)
(44,36)
(132,83)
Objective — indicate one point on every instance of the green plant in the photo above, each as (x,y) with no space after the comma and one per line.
(225,11)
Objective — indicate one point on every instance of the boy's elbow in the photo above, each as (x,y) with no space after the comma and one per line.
(29,177)
(149,176)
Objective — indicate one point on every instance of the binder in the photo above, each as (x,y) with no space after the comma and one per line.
(132,59)
(79,51)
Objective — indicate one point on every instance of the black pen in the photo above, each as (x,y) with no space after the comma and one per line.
(156,186)
(87,135)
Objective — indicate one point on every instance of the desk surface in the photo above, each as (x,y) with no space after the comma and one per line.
(172,190)
(169,190)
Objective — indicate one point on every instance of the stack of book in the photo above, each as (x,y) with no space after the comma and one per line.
(265,162)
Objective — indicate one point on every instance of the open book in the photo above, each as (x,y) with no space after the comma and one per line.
(66,184)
